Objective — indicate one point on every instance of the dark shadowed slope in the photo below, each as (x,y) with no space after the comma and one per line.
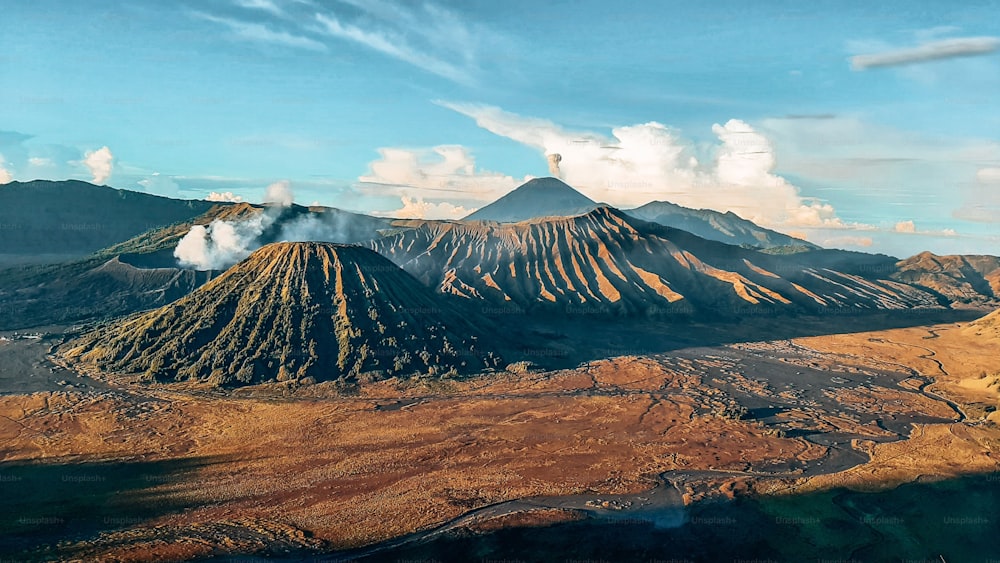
(137,274)
(541,197)
(76,218)
(712,225)
(293,311)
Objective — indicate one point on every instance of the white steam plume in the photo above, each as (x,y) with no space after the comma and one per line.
(5,175)
(279,193)
(100,163)
(224,243)
(554,159)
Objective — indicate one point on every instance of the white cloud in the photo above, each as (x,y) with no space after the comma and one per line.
(896,173)
(445,168)
(849,147)
(263,34)
(224,196)
(100,163)
(910,228)
(417,208)
(389,46)
(5,175)
(40,162)
(928,51)
(263,5)
(424,35)
(279,193)
(650,161)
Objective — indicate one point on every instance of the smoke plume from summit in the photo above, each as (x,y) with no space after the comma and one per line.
(554,160)
(222,243)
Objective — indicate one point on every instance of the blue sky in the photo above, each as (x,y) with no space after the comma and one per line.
(436,108)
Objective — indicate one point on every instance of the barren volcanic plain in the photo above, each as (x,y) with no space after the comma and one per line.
(173,471)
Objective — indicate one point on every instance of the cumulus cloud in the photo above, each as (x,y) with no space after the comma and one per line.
(445,169)
(279,193)
(417,208)
(928,51)
(910,228)
(5,175)
(100,163)
(640,163)
(224,196)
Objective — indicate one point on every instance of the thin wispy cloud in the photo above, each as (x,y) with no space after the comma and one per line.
(261,33)
(928,51)
(393,46)
(428,37)
(264,5)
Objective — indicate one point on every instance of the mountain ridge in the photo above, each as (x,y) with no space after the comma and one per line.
(72,217)
(713,225)
(613,263)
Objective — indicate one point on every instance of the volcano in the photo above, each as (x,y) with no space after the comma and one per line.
(296,311)
(541,197)
(607,262)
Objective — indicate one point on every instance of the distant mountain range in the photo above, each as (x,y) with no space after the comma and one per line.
(142,272)
(607,262)
(723,227)
(303,312)
(551,197)
(73,218)
(602,261)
